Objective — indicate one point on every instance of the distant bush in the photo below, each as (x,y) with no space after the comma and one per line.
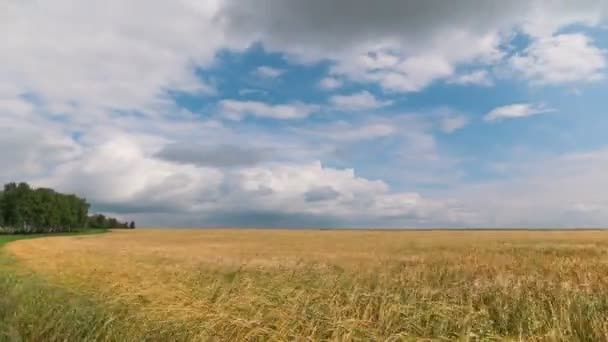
(101,221)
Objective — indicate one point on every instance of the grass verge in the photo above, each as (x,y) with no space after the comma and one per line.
(6,238)
(32,309)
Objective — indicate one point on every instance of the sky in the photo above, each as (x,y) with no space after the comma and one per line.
(318,113)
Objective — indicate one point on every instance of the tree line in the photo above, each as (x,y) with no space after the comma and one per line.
(101,221)
(24,209)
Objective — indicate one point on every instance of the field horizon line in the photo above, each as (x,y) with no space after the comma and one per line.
(506,229)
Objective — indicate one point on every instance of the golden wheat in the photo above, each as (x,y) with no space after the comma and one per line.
(342,285)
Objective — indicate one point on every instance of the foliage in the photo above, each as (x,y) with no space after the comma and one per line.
(26,210)
(100,221)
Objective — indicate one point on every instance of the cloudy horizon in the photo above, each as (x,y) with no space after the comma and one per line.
(279,113)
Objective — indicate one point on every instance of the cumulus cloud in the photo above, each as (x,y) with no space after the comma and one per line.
(325,193)
(269,72)
(318,190)
(129,61)
(144,167)
(404,126)
(237,110)
(477,77)
(116,56)
(399,148)
(452,122)
(560,59)
(250,91)
(402,45)
(363,100)
(330,83)
(515,111)
(347,132)
(118,176)
(29,150)
(223,155)
(87,102)
(119,172)
(30,144)
(551,192)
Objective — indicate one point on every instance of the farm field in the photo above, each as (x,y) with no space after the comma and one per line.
(324,285)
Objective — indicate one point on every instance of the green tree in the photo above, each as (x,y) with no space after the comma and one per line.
(27,210)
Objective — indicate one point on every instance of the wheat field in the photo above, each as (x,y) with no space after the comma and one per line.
(338,285)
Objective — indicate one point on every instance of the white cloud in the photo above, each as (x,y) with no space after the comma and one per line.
(269,72)
(119,176)
(251,91)
(289,189)
(237,110)
(118,172)
(348,132)
(116,164)
(122,55)
(414,73)
(404,46)
(515,111)
(395,73)
(477,77)
(330,83)
(28,151)
(129,61)
(363,100)
(365,132)
(398,68)
(565,190)
(450,123)
(563,58)
(86,105)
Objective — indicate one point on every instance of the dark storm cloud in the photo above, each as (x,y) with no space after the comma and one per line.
(341,23)
(270,219)
(325,193)
(134,208)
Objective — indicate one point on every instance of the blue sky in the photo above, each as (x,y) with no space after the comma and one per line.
(339,113)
